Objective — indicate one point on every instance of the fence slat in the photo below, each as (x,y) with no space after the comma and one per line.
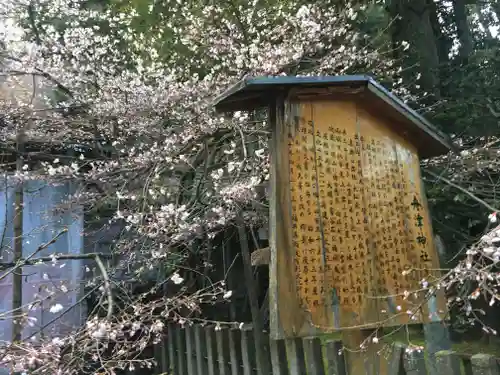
(447,363)
(296,358)
(414,362)
(396,360)
(222,336)
(484,364)
(171,350)
(235,351)
(200,344)
(279,360)
(198,350)
(248,348)
(314,356)
(266,355)
(190,355)
(335,358)
(181,351)
(165,364)
(158,357)
(212,357)
(467,366)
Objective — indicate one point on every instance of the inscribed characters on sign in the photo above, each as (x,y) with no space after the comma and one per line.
(358,216)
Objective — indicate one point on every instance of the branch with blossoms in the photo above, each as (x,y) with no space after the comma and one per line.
(477,276)
(137,134)
(148,151)
(111,343)
(111,340)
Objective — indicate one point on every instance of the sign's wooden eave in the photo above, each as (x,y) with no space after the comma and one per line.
(411,115)
(253,93)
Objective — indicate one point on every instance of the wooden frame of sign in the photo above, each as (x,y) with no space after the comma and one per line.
(350,235)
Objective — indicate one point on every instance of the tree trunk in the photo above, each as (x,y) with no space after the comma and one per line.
(412,24)
(463,29)
(443,45)
(485,22)
(496,8)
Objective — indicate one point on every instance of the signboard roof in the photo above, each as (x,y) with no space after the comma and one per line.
(252,93)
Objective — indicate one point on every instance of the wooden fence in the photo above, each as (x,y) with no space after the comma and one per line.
(203,350)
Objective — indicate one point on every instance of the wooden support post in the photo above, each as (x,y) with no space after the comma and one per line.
(200,344)
(335,358)
(279,359)
(212,355)
(436,333)
(314,356)
(248,349)
(484,364)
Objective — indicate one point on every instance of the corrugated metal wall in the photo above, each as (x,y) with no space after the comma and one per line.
(43,219)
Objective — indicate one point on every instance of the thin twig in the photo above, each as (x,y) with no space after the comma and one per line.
(35,261)
(107,287)
(465,191)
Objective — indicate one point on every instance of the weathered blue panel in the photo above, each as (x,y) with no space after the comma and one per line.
(45,215)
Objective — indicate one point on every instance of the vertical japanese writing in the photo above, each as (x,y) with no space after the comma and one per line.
(358,218)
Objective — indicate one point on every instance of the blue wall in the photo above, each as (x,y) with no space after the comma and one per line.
(45,215)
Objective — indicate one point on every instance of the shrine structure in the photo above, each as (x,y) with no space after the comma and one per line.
(350,233)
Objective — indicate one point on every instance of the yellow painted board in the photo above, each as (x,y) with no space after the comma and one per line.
(358,220)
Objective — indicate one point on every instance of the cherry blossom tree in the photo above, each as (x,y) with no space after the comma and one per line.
(146,144)
(116,98)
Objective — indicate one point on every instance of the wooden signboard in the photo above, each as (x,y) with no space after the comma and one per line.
(358,220)
(351,238)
